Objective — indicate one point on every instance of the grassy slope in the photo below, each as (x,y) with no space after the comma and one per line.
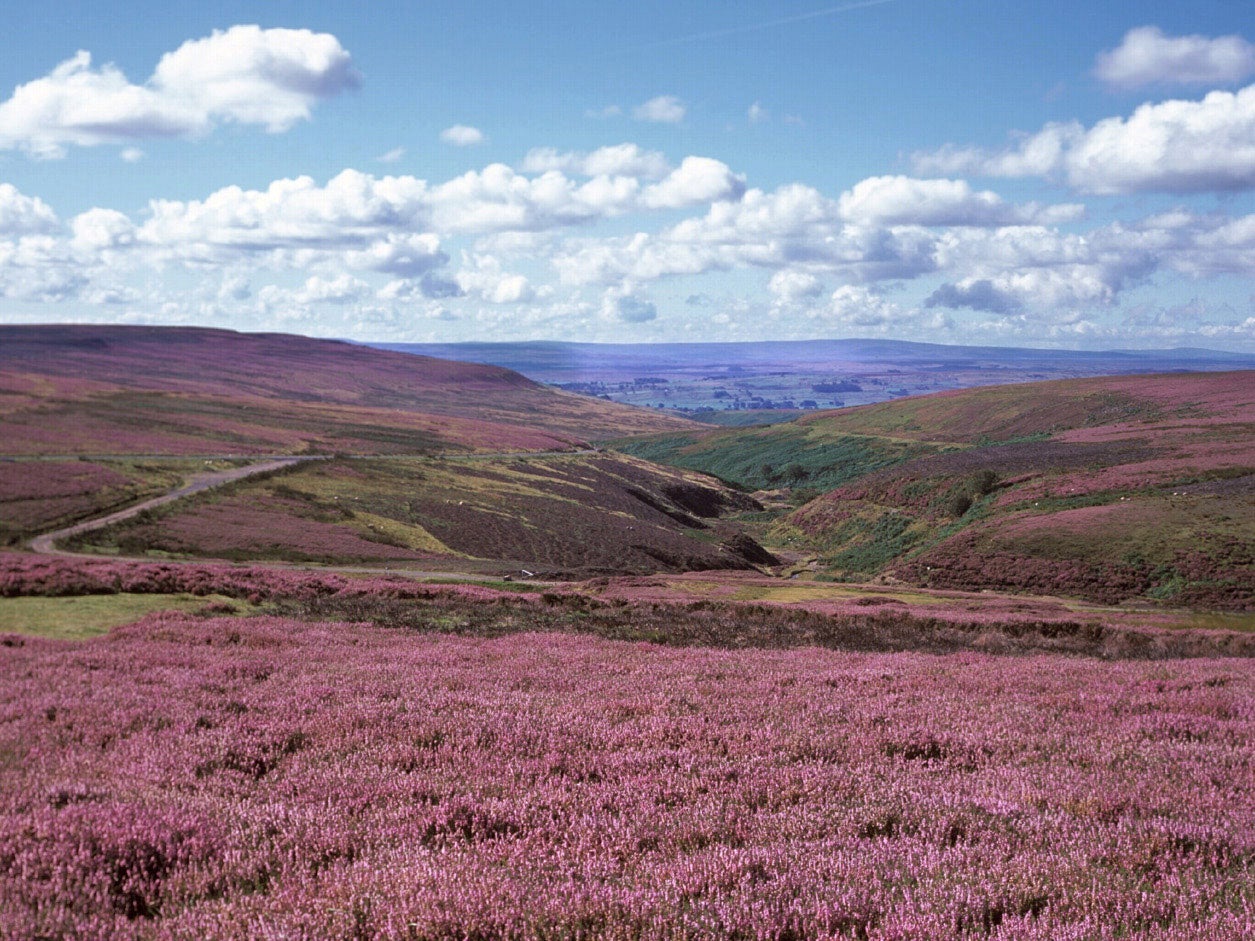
(89,389)
(796,454)
(594,513)
(1104,488)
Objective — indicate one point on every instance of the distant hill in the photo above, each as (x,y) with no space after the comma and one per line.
(739,384)
(67,389)
(558,362)
(1107,488)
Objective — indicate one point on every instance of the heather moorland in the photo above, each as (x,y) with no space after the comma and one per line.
(1108,489)
(487,681)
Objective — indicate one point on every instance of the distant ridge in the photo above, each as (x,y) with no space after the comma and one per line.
(68,389)
(554,361)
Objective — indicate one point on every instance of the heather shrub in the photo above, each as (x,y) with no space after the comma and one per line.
(193,777)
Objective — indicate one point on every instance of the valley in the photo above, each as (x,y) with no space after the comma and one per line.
(627,669)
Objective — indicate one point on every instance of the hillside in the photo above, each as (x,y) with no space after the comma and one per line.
(149,408)
(581,514)
(1109,489)
(93,389)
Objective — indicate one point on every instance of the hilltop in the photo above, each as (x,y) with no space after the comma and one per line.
(68,389)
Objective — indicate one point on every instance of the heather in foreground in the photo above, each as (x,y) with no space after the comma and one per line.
(199,777)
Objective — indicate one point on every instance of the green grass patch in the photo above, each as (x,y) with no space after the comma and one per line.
(84,616)
(791,455)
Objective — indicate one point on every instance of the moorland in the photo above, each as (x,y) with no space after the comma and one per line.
(440,651)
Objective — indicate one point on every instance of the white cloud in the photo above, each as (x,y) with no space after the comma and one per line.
(1172,146)
(664,109)
(793,226)
(1042,269)
(40,269)
(342,289)
(856,306)
(901,200)
(460,135)
(352,209)
(247,75)
(482,277)
(789,286)
(98,230)
(131,154)
(1148,57)
(23,215)
(622,304)
(697,180)
(392,156)
(756,113)
(1177,146)
(615,160)
(609,111)
(400,254)
(497,199)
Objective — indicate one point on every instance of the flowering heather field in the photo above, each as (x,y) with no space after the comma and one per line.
(200,777)
(1125,488)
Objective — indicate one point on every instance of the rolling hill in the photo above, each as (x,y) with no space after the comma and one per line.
(455,466)
(1134,487)
(160,390)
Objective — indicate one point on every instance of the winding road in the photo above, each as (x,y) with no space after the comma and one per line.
(45,544)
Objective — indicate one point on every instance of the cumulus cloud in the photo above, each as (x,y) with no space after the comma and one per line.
(483,277)
(901,200)
(342,289)
(269,78)
(1148,57)
(793,226)
(497,199)
(977,294)
(664,109)
(353,208)
(401,254)
(856,306)
(460,135)
(99,230)
(789,286)
(697,180)
(615,160)
(1172,146)
(24,215)
(623,305)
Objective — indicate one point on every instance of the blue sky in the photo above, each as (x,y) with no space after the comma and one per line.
(1057,173)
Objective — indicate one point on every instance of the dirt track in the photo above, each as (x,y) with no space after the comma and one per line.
(46,544)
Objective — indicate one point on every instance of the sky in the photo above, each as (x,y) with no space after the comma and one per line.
(1058,174)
